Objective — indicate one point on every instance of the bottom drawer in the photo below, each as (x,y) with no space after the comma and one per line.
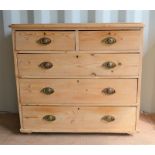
(79,119)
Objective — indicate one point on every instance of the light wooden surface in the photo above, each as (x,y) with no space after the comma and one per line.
(78,52)
(74,65)
(79,119)
(78,91)
(77,26)
(60,40)
(17,79)
(78,76)
(94,40)
(140,77)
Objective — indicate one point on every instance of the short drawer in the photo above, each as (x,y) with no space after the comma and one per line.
(78,91)
(77,65)
(45,40)
(109,40)
(79,119)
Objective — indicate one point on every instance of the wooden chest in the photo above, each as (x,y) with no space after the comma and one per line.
(78,77)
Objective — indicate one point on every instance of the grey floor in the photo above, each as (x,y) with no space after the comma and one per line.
(9,134)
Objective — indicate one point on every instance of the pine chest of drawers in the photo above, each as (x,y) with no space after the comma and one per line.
(78,77)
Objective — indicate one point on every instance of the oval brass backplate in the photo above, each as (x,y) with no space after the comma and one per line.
(46,65)
(49,118)
(47,90)
(109,40)
(108,118)
(109,65)
(44,41)
(109,91)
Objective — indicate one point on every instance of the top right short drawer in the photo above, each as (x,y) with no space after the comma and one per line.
(110,40)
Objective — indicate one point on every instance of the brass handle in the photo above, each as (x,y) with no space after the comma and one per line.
(47,90)
(109,65)
(108,118)
(49,118)
(109,91)
(109,40)
(44,41)
(46,65)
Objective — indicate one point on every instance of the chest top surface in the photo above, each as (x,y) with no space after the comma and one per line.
(89,26)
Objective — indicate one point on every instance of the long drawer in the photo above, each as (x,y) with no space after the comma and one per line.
(77,65)
(45,40)
(78,91)
(109,40)
(79,119)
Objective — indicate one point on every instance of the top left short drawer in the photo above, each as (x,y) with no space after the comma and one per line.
(45,40)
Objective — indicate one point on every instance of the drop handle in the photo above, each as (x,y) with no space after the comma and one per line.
(109,64)
(47,90)
(46,65)
(44,41)
(109,40)
(49,118)
(109,91)
(108,118)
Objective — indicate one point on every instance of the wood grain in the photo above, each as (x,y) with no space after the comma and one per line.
(78,91)
(93,40)
(78,65)
(88,26)
(78,76)
(60,40)
(16,72)
(79,119)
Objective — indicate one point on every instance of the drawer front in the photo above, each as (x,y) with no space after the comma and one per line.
(78,91)
(109,40)
(45,40)
(77,65)
(79,119)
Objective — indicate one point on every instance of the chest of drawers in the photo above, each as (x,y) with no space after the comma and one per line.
(78,77)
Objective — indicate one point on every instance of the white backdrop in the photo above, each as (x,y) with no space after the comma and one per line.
(8,100)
